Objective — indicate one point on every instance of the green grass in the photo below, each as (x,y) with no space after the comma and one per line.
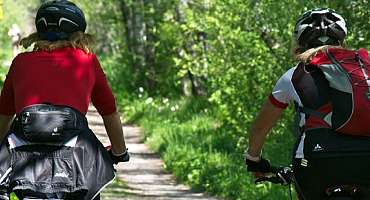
(13,196)
(200,151)
(115,190)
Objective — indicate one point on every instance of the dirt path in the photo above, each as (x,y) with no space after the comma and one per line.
(143,177)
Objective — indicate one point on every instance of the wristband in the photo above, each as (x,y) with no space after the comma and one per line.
(125,157)
(119,154)
(253,158)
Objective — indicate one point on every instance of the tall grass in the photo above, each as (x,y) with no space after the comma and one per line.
(199,150)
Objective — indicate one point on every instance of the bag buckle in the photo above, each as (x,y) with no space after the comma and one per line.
(26,118)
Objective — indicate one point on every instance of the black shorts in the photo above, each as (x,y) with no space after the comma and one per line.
(332,160)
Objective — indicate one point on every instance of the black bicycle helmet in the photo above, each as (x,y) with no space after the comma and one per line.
(318,27)
(58,19)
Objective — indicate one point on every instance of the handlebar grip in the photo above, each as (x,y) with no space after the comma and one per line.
(275,180)
(275,170)
(281,175)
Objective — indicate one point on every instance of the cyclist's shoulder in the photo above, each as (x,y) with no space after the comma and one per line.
(25,54)
(23,57)
(79,53)
(288,74)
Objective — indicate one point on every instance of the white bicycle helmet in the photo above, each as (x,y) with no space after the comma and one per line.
(320,27)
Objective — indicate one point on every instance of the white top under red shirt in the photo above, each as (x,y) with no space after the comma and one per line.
(282,95)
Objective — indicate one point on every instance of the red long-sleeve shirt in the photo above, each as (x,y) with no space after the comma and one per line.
(65,76)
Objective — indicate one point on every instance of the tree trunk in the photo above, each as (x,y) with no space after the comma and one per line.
(151,39)
(193,85)
(138,31)
(133,15)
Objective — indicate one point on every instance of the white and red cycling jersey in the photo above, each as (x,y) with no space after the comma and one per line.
(332,91)
(282,95)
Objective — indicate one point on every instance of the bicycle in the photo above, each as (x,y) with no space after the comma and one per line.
(285,176)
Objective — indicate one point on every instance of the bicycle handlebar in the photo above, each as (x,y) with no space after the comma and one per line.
(280,175)
(284,176)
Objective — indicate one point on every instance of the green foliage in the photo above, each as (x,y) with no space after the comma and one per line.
(249,45)
(14,13)
(200,152)
(13,196)
(115,190)
(104,21)
(238,48)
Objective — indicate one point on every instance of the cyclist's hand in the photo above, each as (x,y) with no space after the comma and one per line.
(262,166)
(125,157)
(260,169)
(258,175)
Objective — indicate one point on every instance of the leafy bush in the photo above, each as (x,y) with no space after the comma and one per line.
(201,152)
(238,48)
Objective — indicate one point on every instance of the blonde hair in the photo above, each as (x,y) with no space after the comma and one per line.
(77,40)
(310,53)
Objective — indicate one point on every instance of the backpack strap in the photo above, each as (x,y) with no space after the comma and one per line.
(363,53)
(333,60)
(298,130)
(310,111)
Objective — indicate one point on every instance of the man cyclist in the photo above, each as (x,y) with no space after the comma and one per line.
(49,152)
(329,149)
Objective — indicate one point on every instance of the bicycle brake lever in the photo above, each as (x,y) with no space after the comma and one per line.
(285,176)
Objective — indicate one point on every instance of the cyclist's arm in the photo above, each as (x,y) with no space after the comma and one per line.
(5,122)
(114,130)
(104,101)
(266,119)
(281,95)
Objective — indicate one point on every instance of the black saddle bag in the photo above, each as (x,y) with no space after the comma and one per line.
(45,123)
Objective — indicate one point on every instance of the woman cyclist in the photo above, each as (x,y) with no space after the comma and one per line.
(48,151)
(327,153)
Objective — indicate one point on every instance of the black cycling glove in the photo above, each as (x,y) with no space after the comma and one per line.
(262,165)
(121,158)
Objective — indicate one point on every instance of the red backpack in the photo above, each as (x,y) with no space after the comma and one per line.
(347,74)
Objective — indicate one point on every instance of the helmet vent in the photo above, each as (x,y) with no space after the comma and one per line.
(51,8)
(323,39)
(67,20)
(70,10)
